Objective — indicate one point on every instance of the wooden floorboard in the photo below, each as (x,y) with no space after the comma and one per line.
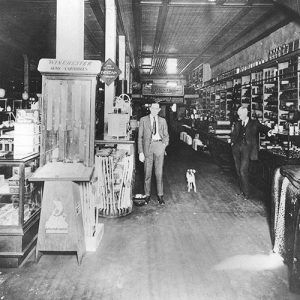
(201,245)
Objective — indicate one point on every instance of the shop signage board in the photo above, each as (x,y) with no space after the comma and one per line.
(162,90)
(109,72)
(176,100)
(65,66)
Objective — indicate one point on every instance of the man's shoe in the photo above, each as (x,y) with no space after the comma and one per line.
(147,200)
(161,200)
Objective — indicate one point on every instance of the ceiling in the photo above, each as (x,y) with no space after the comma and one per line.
(190,31)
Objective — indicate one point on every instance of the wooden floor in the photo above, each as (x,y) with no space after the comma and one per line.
(205,245)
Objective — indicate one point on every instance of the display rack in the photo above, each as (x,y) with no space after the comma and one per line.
(115,174)
(246,91)
(257,95)
(20,203)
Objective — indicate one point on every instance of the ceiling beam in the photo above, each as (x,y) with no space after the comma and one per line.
(224,3)
(250,37)
(129,48)
(99,15)
(220,2)
(242,13)
(160,25)
(137,21)
(28,1)
(187,67)
(171,55)
(291,5)
(91,37)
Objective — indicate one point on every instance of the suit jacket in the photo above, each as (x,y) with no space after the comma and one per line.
(145,133)
(253,128)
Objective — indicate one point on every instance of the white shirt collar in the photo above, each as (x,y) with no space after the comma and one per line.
(245,122)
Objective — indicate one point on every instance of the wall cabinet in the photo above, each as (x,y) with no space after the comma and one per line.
(270,91)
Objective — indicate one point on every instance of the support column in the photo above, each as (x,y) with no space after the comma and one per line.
(122,67)
(127,76)
(70,29)
(128,70)
(26,73)
(110,52)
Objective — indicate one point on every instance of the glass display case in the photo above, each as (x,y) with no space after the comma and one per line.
(20,203)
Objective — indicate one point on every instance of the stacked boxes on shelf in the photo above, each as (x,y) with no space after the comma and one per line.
(222,129)
(27,133)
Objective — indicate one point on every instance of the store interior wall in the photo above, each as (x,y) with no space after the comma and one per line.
(260,49)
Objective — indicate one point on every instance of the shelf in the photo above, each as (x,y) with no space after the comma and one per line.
(286,100)
(293,89)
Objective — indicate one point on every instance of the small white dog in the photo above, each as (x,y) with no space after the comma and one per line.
(191,182)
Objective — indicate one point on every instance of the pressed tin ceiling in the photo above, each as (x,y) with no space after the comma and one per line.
(190,31)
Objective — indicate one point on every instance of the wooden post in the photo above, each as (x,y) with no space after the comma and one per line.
(110,52)
(122,61)
(128,70)
(26,73)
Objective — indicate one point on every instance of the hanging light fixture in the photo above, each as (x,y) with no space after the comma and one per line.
(2,93)
(25,95)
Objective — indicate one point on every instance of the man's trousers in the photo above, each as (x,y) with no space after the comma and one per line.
(154,157)
(241,156)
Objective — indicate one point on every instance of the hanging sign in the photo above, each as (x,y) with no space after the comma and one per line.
(109,72)
(162,90)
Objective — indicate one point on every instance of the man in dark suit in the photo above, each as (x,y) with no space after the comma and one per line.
(244,141)
(153,139)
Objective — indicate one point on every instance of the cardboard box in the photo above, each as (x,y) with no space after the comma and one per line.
(27,115)
(26,128)
(26,140)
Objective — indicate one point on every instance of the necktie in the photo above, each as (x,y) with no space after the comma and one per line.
(154,126)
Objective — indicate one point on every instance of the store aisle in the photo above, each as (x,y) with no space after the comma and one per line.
(200,246)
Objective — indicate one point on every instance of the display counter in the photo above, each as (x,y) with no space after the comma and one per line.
(20,203)
(285,219)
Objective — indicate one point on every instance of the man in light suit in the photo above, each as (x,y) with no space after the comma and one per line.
(244,142)
(153,139)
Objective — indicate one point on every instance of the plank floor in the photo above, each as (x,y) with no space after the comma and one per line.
(205,245)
